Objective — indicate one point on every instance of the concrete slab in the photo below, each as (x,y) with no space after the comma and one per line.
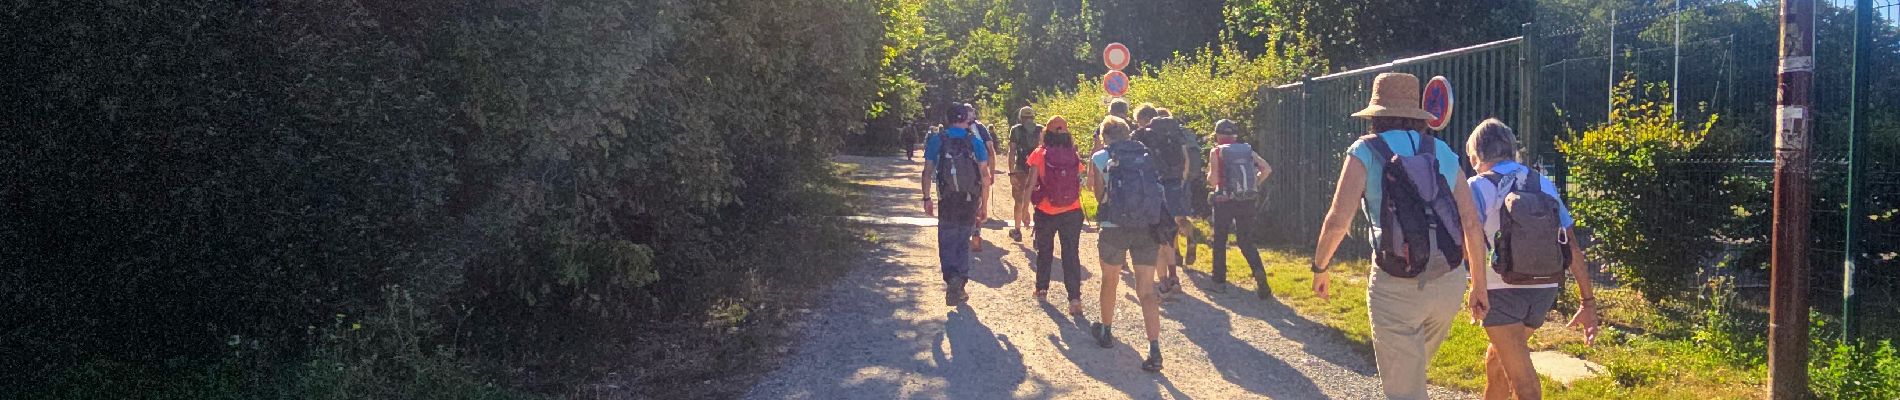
(1564,368)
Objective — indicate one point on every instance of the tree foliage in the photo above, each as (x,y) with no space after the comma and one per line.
(188,177)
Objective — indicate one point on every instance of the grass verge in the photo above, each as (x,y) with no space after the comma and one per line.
(1640,366)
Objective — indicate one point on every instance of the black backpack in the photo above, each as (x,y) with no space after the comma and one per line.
(1417,206)
(1023,139)
(1134,192)
(959,176)
(1530,248)
(1166,139)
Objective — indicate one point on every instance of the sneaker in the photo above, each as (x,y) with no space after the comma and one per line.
(1217,287)
(1103,336)
(1015,235)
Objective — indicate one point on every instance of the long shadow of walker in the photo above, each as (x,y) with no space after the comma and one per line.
(1313,336)
(1118,366)
(1238,361)
(873,344)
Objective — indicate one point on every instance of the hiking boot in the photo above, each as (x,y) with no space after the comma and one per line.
(1103,336)
(1015,235)
(954,294)
(1217,287)
(1153,363)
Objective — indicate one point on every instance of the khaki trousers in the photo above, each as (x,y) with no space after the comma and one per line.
(1410,319)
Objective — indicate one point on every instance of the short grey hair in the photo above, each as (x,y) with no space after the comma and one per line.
(1492,141)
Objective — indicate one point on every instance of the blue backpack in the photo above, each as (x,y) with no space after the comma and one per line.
(1134,189)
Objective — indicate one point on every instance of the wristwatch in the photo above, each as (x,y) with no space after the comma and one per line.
(1315,268)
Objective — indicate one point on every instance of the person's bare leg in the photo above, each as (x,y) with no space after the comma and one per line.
(1497,385)
(1513,352)
(1150,301)
(1164,255)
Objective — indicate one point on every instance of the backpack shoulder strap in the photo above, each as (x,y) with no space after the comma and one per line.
(1378,145)
(1493,176)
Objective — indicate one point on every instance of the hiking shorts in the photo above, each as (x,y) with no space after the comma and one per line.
(1174,197)
(1137,243)
(1520,305)
(1019,187)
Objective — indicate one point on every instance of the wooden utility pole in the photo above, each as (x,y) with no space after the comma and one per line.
(1794,100)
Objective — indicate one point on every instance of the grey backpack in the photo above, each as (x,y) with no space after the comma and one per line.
(1237,172)
(1530,247)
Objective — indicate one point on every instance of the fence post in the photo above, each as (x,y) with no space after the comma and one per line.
(1675,80)
(1307,167)
(1609,105)
(1856,167)
(1527,98)
(1788,289)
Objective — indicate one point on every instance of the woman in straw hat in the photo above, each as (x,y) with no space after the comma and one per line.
(1411,316)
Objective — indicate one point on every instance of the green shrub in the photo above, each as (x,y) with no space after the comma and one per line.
(1655,214)
(1858,370)
(540,175)
(1199,88)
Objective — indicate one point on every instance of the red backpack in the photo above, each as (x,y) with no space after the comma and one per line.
(1060,181)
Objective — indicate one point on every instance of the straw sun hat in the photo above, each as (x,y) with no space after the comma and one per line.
(1394,95)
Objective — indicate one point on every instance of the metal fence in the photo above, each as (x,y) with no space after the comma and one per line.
(1308,126)
(1718,57)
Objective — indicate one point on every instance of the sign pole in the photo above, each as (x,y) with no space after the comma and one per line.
(1788,290)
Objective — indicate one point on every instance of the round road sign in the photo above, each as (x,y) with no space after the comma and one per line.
(1115,83)
(1438,101)
(1116,56)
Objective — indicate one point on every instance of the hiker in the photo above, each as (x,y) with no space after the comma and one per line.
(1169,144)
(1529,233)
(1055,173)
(1117,108)
(1427,212)
(958,162)
(983,210)
(1024,138)
(1236,173)
(1124,178)
(912,132)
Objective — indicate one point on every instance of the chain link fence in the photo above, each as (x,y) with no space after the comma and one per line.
(1718,59)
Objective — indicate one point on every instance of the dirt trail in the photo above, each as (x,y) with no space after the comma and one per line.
(884,332)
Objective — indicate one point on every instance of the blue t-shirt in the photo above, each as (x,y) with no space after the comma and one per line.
(933,146)
(1402,144)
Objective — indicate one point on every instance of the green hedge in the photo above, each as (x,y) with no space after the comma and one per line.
(189,178)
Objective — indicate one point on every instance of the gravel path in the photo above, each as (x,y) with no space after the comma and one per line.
(884,332)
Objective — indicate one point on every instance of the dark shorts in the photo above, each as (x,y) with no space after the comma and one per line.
(1137,243)
(1520,306)
(1174,197)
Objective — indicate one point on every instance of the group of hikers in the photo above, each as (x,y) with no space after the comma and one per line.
(1428,219)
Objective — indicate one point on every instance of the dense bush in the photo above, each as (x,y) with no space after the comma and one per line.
(189,177)
(1656,218)
(1199,88)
